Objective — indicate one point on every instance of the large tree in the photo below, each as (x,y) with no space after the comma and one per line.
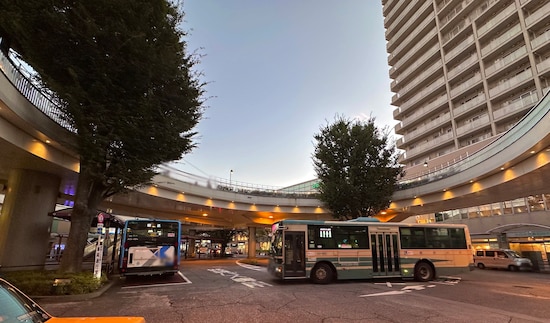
(357,166)
(124,82)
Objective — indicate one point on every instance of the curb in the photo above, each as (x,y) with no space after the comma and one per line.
(77,297)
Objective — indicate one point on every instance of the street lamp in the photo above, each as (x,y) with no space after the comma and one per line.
(230,173)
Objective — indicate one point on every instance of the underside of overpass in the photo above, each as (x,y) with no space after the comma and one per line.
(514,165)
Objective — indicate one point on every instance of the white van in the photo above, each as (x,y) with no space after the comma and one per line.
(501,258)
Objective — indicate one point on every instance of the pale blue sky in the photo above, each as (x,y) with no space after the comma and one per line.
(278,71)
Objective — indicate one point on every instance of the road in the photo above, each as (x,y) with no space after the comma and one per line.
(223,291)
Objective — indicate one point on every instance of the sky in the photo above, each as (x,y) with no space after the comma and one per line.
(276,72)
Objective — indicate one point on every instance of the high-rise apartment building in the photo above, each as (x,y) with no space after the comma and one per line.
(463,71)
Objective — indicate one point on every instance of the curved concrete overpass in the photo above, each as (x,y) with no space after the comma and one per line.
(32,136)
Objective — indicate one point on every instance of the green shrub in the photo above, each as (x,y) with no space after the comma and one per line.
(41,282)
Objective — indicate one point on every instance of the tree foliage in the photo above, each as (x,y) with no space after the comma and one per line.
(124,82)
(357,167)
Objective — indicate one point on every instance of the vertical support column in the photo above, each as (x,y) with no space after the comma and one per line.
(191,244)
(24,221)
(251,242)
(503,241)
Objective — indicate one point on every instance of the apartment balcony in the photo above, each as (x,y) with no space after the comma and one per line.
(406,28)
(544,66)
(507,37)
(400,142)
(511,83)
(496,20)
(397,128)
(411,69)
(429,91)
(392,14)
(463,66)
(460,48)
(415,49)
(506,61)
(424,111)
(388,5)
(422,78)
(458,29)
(462,87)
(486,10)
(483,121)
(442,5)
(538,15)
(431,145)
(397,113)
(428,127)
(540,40)
(451,18)
(469,105)
(395,25)
(511,107)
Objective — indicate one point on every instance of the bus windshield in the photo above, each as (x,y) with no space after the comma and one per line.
(277,243)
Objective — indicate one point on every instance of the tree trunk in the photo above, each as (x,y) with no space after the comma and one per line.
(88,196)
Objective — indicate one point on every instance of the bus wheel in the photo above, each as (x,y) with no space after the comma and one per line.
(423,272)
(322,274)
(480,265)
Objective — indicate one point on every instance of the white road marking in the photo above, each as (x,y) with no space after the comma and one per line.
(393,292)
(251,267)
(187,281)
(411,288)
(247,281)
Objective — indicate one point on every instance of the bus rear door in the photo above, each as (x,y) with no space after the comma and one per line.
(385,252)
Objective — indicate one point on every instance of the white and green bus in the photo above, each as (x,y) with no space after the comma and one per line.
(365,248)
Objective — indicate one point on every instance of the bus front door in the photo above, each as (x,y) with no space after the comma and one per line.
(294,256)
(385,254)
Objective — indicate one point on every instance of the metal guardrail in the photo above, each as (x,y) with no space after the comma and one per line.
(222,184)
(40,98)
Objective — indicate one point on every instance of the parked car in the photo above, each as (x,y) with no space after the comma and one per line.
(501,258)
(16,307)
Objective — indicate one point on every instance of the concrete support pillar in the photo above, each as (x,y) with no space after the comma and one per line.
(192,250)
(251,242)
(191,244)
(503,241)
(24,221)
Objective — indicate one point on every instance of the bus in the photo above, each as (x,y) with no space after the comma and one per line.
(150,247)
(366,248)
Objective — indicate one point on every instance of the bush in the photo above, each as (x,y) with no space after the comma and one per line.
(41,282)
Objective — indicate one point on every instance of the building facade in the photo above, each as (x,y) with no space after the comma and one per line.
(463,72)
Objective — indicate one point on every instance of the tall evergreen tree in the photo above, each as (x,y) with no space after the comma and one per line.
(124,82)
(357,166)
